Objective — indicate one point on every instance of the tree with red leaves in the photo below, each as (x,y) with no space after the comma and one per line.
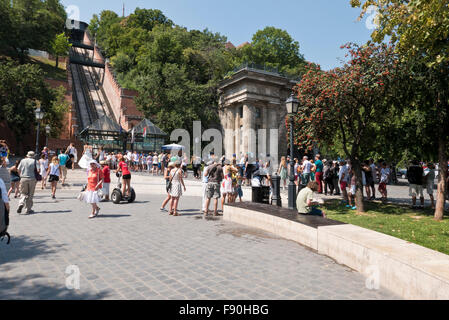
(347,104)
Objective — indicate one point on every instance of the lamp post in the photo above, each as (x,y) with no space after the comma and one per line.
(47,131)
(39,116)
(292,105)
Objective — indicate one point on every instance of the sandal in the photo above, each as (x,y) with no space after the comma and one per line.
(171,212)
(92,216)
(175,214)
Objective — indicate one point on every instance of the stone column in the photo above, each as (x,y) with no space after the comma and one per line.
(249,126)
(237,147)
(273,123)
(230,136)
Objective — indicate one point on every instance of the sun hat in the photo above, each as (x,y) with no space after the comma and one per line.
(31,154)
(171,164)
(102,162)
(94,162)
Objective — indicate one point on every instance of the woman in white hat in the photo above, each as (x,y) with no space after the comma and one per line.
(94,183)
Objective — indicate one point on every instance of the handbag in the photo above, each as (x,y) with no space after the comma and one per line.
(169,185)
(81,196)
(36,173)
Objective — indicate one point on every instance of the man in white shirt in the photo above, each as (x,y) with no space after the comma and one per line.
(343,178)
(306,170)
(26,170)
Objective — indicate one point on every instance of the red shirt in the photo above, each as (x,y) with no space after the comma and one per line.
(93,179)
(107,174)
(124,167)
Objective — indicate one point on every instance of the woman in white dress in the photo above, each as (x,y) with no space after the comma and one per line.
(43,167)
(73,154)
(176,188)
(86,159)
(95,179)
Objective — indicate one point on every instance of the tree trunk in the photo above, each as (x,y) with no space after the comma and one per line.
(57,62)
(355,164)
(442,185)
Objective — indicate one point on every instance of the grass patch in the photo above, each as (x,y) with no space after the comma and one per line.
(49,69)
(402,222)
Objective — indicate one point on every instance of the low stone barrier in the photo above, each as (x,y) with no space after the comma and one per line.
(407,269)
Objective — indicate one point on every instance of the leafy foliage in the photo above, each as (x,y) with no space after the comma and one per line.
(420,30)
(29,24)
(177,71)
(60,46)
(275,48)
(22,88)
(349,104)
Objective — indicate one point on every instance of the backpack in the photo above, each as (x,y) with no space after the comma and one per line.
(4,221)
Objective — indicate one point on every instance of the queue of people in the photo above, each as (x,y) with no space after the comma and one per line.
(222,179)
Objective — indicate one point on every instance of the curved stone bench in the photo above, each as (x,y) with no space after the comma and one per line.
(409,270)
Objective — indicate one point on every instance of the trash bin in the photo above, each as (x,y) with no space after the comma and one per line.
(261,194)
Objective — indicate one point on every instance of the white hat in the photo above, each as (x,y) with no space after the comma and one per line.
(94,162)
(31,154)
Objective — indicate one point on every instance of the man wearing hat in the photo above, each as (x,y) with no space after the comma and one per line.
(26,169)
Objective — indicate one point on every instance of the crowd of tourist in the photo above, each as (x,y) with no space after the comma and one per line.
(222,179)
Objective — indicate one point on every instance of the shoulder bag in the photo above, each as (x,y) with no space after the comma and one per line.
(169,185)
(36,173)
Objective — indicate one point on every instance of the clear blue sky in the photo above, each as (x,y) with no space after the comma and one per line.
(320,26)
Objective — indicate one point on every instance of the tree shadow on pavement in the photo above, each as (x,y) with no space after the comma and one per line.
(23,284)
(35,287)
(23,248)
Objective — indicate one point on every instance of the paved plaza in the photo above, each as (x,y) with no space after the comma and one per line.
(135,251)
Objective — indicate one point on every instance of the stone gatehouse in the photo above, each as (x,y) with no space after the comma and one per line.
(252,113)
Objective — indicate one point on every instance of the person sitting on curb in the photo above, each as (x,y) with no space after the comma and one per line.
(305,203)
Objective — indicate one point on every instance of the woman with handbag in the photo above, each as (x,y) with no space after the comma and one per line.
(176,182)
(94,183)
(167,178)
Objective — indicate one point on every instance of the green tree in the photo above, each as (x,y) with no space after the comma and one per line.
(275,48)
(31,24)
(348,104)
(420,29)
(60,46)
(147,19)
(20,87)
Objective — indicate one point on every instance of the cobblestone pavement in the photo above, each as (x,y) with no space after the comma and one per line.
(134,251)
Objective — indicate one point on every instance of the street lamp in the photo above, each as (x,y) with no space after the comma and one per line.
(47,131)
(39,116)
(292,105)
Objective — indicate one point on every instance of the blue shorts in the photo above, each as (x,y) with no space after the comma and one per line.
(315,212)
(159,166)
(239,191)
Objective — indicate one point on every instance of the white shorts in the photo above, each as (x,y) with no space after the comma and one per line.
(106,188)
(416,190)
(430,189)
(352,190)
